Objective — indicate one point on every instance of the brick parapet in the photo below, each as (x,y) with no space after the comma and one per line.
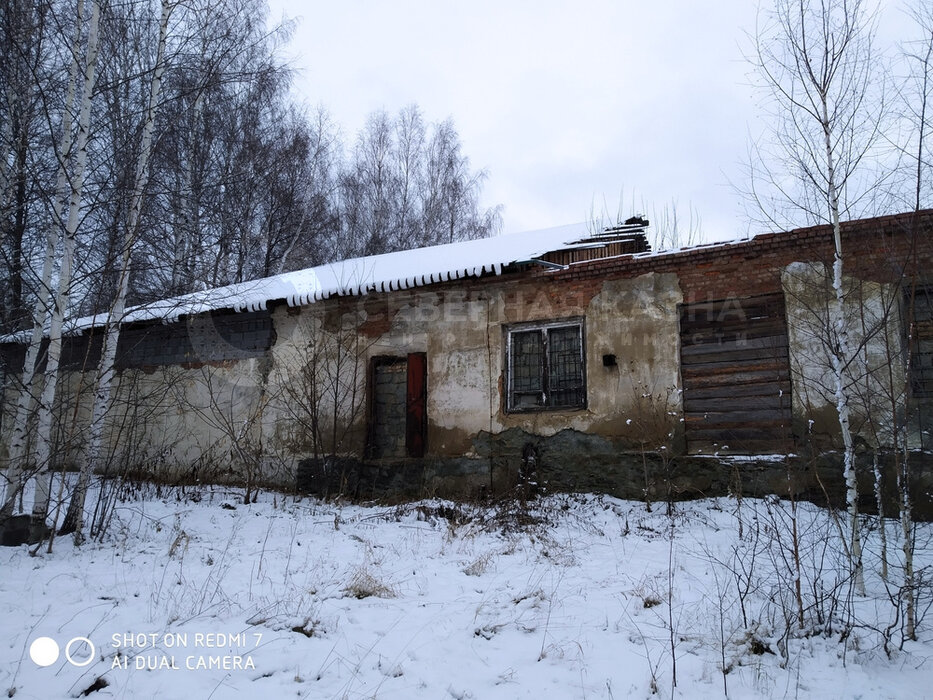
(880,249)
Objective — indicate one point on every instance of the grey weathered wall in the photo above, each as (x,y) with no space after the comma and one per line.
(309,395)
(877,373)
(219,419)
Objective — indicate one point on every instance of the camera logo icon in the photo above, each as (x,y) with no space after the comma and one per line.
(79,651)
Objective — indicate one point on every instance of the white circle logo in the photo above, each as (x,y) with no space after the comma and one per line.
(79,662)
(44,651)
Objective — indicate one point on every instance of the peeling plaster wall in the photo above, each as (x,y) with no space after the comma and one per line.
(181,418)
(640,400)
(318,370)
(200,423)
(463,336)
(215,420)
(877,375)
(169,422)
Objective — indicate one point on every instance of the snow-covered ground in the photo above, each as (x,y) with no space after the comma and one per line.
(577,597)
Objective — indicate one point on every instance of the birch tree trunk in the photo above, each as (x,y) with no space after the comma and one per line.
(25,403)
(816,62)
(6,140)
(63,296)
(902,471)
(841,356)
(188,228)
(923,60)
(74,518)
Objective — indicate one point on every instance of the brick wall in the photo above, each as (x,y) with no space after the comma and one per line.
(883,249)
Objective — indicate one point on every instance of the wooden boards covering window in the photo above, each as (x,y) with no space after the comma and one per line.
(736,376)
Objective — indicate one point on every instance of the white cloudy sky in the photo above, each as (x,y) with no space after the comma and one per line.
(566,105)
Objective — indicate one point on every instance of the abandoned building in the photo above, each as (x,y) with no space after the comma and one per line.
(580,359)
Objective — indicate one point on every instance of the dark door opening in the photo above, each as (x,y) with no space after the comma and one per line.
(398,406)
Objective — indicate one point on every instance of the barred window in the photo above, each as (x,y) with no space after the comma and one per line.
(921,347)
(545,368)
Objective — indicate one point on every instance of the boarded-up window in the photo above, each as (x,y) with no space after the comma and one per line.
(736,376)
(212,337)
(201,338)
(545,366)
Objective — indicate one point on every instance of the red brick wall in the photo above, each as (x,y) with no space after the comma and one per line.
(880,249)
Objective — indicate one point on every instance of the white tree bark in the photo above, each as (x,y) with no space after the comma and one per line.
(923,60)
(74,519)
(882,526)
(841,357)
(188,235)
(816,61)
(25,404)
(63,296)
(907,547)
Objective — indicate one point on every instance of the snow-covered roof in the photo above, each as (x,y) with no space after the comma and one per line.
(356,276)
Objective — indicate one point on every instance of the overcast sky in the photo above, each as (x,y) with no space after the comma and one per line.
(566,105)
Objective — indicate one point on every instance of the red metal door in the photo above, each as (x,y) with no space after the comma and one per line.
(416,405)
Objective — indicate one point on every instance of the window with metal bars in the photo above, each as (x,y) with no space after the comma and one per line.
(921,345)
(545,366)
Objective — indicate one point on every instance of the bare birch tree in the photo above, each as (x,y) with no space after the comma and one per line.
(243,184)
(817,65)
(106,371)
(70,186)
(916,102)
(25,399)
(407,185)
(62,303)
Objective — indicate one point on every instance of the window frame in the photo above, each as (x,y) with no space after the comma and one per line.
(544,328)
(918,381)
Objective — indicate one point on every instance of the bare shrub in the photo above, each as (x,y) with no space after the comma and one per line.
(365,584)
